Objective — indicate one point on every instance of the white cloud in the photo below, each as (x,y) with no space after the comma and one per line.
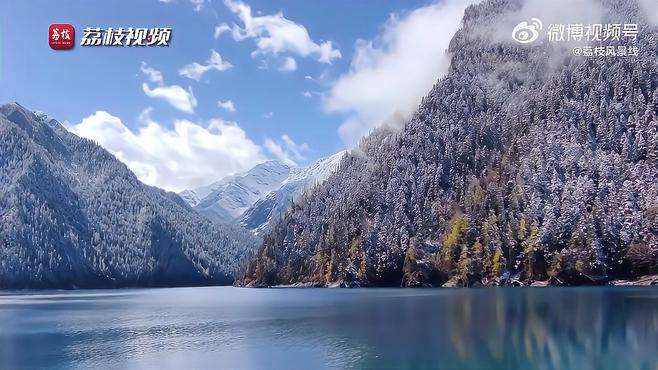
(219,30)
(289,65)
(195,70)
(276,34)
(263,66)
(186,156)
(295,149)
(197,4)
(175,95)
(153,74)
(389,76)
(268,115)
(310,94)
(227,105)
(287,150)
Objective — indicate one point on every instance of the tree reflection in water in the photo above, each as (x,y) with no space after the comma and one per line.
(581,329)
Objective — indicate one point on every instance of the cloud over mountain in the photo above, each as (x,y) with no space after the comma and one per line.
(178,158)
(287,150)
(390,74)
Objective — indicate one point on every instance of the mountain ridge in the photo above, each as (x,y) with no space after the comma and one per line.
(522,164)
(74,216)
(268,209)
(256,197)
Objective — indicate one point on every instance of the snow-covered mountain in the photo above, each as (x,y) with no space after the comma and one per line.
(47,119)
(226,199)
(514,169)
(263,212)
(256,197)
(72,215)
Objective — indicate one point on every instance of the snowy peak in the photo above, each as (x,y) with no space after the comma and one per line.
(317,171)
(22,116)
(265,176)
(229,197)
(18,115)
(48,120)
(268,187)
(190,197)
(270,208)
(262,177)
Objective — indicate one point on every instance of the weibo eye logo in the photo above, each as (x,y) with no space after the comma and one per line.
(527,32)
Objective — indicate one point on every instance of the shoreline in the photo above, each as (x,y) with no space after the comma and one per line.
(645,280)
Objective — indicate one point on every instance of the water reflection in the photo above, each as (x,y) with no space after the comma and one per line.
(577,328)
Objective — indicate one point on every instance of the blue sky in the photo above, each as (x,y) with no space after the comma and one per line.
(332,98)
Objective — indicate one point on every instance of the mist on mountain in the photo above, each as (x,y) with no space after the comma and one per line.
(524,164)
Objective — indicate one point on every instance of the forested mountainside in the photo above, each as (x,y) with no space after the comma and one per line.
(258,197)
(72,215)
(523,163)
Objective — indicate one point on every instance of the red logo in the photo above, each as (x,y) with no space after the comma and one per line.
(61,36)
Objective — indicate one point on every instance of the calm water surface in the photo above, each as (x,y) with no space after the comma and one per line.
(232,328)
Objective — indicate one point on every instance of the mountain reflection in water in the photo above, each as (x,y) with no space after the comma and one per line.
(222,327)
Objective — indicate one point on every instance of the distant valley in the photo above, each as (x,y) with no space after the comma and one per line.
(260,196)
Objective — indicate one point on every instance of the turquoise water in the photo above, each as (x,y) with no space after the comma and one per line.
(233,328)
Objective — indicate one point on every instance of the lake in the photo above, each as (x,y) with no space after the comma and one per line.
(235,328)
